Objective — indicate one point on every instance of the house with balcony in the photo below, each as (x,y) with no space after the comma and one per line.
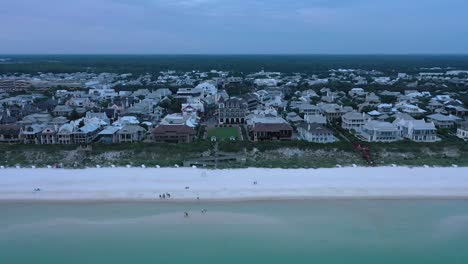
(443,121)
(131,134)
(317,133)
(417,130)
(232,111)
(270,132)
(333,112)
(49,135)
(30,134)
(62,110)
(377,131)
(354,120)
(86,134)
(173,134)
(462,130)
(109,135)
(65,134)
(10,133)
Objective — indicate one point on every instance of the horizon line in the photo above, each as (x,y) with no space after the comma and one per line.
(234,54)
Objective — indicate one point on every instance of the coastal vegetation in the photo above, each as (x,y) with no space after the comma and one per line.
(290,154)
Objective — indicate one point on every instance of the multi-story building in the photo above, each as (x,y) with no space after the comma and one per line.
(232,111)
(65,134)
(86,134)
(30,134)
(131,134)
(271,132)
(333,112)
(443,121)
(462,130)
(10,133)
(173,134)
(417,130)
(316,133)
(376,131)
(353,120)
(48,135)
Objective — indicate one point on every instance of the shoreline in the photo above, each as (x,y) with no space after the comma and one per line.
(231,185)
(234,200)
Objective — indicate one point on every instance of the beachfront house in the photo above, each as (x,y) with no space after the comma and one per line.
(377,131)
(462,130)
(353,120)
(173,134)
(65,134)
(131,134)
(109,135)
(30,134)
(417,130)
(270,132)
(317,133)
(86,134)
(49,135)
(10,133)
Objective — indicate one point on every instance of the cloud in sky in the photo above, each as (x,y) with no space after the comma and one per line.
(234,26)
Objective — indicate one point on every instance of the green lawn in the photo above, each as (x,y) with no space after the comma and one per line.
(223,133)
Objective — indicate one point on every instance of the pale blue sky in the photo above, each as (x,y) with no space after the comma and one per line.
(234,26)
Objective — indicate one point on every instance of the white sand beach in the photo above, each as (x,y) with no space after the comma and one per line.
(107,184)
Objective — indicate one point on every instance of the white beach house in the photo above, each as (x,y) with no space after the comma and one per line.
(377,131)
(353,120)
(462,131)
(316,133)
(417,130)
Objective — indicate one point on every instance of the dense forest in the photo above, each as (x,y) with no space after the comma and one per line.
(389,64)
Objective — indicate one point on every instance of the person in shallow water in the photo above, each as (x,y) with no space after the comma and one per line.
(186,214)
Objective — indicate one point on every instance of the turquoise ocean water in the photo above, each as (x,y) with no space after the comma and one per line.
(315,231)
